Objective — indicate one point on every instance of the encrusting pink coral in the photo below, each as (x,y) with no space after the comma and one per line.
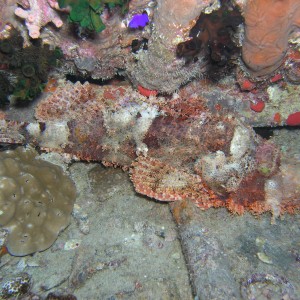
(268,27)
(39,14)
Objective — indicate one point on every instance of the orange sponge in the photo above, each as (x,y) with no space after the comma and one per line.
(268,26)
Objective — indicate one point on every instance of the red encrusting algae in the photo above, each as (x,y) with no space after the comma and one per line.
(258,106)
(146,92)
(293,119)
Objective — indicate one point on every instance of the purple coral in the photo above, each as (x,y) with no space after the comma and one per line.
(139,21)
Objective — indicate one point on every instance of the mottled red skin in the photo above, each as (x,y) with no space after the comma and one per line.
(175,140)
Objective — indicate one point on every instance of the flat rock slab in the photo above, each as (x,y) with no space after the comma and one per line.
(240,257)
(119,245)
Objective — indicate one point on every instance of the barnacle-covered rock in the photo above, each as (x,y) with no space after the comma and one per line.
(36,200)
(158,68)
(273,285)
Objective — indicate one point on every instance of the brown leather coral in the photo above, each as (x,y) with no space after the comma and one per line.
(268,26)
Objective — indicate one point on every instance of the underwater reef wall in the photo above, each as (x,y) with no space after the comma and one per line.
(180,136)
(108,50)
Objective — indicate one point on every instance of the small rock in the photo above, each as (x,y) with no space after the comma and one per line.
(18,286)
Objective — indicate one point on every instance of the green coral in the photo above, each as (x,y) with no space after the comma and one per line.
(86,13)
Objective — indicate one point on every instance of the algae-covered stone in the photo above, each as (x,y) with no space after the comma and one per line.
(36,201)
(16,287)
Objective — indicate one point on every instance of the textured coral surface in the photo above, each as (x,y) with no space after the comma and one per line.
(38,14)
(158,68)
(33,209)
(268,26)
